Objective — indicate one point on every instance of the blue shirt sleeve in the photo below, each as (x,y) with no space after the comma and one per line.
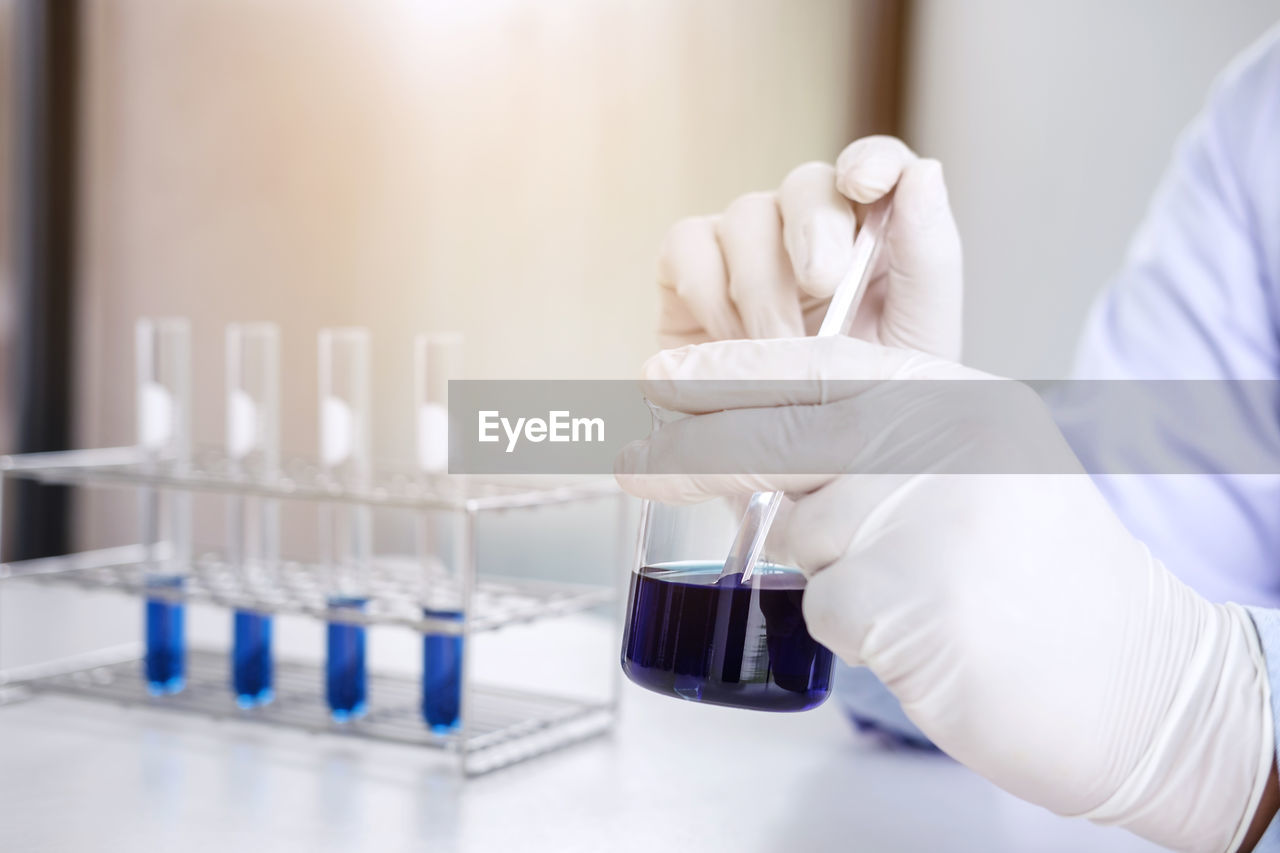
(1199,298)
(1267,623)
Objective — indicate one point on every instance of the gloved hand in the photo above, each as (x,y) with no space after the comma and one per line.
(1025,631)
(767,266)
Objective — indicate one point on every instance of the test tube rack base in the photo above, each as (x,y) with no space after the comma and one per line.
(506,726)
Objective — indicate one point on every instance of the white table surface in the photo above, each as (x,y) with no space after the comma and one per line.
(76,775)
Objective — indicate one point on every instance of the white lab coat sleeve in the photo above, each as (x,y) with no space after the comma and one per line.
(1199,298)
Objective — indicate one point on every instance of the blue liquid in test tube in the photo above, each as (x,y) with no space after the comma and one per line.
(346,681)
(253,451)
(346,530)
(441,674)
(166,655)
(251,671)
(437,359)
(163,429)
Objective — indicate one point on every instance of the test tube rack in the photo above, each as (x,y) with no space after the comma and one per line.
(499,726)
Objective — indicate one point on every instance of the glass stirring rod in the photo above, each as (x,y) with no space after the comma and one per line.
(763,506)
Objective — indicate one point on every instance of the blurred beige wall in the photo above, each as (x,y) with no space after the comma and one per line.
(505,168)
(1054,121)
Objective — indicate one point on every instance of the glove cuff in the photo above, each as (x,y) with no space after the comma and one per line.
(1199,782)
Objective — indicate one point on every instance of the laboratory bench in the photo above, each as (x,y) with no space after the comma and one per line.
(83,776)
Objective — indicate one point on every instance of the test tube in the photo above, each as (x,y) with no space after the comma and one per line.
(345,528)
(253,534)
(437,358)
(163,365)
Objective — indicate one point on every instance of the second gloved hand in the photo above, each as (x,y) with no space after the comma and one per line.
(767,265)
(957,549)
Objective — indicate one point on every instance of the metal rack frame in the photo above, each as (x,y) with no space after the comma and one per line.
(499,726)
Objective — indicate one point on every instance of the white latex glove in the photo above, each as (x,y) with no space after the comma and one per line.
(766,267)
(1025,631)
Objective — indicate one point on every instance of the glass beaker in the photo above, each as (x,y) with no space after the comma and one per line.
(691,634)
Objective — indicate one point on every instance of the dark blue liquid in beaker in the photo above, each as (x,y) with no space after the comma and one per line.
(441,674)
(346,681)
(706,640)
(166,655)
(251,675)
